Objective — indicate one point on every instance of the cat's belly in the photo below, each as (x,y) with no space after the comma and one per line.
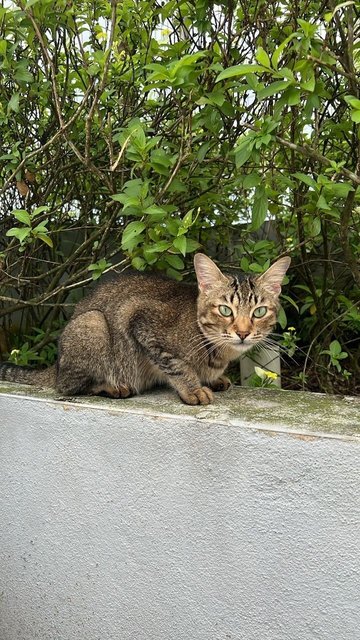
(141,375)
(149,376)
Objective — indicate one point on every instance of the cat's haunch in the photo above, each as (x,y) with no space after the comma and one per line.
(140,331)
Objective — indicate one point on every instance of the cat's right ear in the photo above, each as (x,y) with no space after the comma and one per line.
(207,273)
(273,277)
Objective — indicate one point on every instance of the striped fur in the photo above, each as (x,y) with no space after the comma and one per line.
(141,330)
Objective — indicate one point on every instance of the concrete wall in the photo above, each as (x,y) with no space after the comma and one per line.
(148,520)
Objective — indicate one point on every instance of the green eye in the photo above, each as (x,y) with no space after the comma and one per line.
(225,311)
(260,312)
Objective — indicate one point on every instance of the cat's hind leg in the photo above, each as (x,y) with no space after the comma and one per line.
(119,391)
(220,384)
(85,364)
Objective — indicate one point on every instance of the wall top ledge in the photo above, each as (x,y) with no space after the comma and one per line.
(275,411)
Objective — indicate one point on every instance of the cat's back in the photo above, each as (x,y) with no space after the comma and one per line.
(139,289)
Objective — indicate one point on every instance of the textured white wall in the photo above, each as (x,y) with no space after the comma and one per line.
(129,524)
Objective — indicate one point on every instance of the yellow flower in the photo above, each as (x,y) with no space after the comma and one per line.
(271,374)
(263,373)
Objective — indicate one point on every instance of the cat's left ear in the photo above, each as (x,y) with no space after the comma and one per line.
(207,273)
(273,277)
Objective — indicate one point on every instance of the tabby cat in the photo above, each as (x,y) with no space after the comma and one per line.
(140,331)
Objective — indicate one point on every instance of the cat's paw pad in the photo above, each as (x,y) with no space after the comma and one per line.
(202,395)
(221,384)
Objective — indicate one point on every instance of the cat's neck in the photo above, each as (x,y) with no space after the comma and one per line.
(218,356)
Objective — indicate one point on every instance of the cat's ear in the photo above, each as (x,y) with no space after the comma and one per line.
(273,277)
(207,273)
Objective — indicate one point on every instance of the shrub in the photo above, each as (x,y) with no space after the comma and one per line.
(135,132)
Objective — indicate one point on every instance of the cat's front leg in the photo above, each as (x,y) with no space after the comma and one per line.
(220,384)
(159,349)
(193,396)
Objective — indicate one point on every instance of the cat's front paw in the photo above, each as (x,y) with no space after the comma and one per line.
(221,384)
(202,395)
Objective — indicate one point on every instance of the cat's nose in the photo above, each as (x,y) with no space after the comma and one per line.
(243,334)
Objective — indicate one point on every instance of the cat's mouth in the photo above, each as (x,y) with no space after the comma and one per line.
(233,342)
(243,345)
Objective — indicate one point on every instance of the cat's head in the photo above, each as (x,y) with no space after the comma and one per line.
(237,311)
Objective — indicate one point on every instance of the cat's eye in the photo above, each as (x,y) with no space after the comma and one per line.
(260,312)
(225,311)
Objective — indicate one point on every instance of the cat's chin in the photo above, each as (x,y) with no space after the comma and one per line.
(242,347)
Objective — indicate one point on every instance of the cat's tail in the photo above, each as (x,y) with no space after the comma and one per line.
(26,375)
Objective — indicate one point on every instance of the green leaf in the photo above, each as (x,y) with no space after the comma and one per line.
(277,53)
(315,227)
(322,204)
(244,265)
(282,319)
(20,234)
(339,189)
(292,96)
(260,207)
(251,180)
(291,301)
(159,247)
(252,81)
(13,104)
(308,28)
(155,210)
(127,200)
(39,210)
(45,238)
(243,151)
(172,226)
(174,261)
(271,89)
(335,348)
(41,228)
(119,197)
(22,216)
(355,116)
(303,177)
(131,232)
(138,263)
(192,245)
(353,102)
(203,150)
(216,97)
(180,244)
(172,273)
(93,69)
(23,75)
(239,70)
(262,57)
(187,219)
(97,268)
(309,84)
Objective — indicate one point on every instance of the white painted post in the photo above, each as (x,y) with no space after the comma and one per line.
(268,358)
